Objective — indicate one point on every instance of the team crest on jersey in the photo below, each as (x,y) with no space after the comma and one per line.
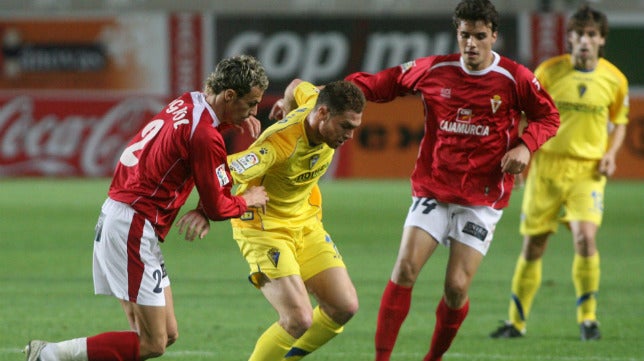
(274,256)
(240,165)
(495,101)
(581,89)
(313,161)
(222,176)
(406,66)
(446,93)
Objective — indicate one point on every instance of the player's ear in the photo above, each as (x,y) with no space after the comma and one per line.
(229,95)
(323,113)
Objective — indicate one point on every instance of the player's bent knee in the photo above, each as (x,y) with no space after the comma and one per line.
(153,348)
(172,338)
(455,295)
(297,323)
(405,273)
(343,314)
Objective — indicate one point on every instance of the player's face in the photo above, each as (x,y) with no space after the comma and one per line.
(337,129)
(240,108)
(584,45)
(475,41)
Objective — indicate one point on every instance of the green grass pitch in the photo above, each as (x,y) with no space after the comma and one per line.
(46,232)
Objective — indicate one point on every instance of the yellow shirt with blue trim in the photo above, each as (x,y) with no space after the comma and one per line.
(587,101)
(284,161)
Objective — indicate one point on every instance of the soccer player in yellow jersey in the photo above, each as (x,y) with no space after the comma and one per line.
(289,252)
(570,170)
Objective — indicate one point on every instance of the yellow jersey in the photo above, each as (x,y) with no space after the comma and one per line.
(284,161)
(587,101)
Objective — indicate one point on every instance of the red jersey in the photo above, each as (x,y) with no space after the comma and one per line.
(180,148)
(471,121)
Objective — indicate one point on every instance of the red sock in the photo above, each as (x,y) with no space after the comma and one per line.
(394,307)
(448,321)
(111,346)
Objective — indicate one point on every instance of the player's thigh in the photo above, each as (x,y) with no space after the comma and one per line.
(462,265)
(289,297)
(318,252)
(416,246)
(473,226)
(586,199)
(172,328)
(543,197)
(152,327)
(335,293)
(128,262)
(424,229)
(270,253)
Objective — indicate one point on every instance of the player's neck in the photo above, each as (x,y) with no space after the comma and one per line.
(310,126)
(588,64)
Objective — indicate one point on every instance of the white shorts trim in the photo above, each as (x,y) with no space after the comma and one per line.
(128,263)
(471,225)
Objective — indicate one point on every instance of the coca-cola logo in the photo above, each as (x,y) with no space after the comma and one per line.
(68,137)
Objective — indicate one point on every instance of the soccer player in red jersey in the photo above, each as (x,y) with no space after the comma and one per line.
(465,169)
(180,148)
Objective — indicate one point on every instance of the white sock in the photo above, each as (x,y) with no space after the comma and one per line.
(70,350)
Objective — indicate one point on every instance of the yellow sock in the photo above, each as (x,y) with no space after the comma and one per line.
(525,284)
(322,329)
(272,344)
(585,276)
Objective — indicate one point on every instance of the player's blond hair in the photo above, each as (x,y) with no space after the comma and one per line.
(239,73)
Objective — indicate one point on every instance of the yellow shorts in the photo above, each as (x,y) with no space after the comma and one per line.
(280,252)
(561,189)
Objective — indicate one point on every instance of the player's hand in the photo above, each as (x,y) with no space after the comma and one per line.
(516,159)
(195,224)
(278,111)
(607,165)
(256,197)
(253,125)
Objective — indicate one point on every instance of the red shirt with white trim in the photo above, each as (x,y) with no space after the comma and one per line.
(180,148)
(471,121)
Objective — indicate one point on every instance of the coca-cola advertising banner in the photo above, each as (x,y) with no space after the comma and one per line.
(68,137)
(74,90)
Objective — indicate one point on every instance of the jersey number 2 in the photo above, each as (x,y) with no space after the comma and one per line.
(128,158)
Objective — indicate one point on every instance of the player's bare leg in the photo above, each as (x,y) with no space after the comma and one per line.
(289,298)
(171,321)
(416,247)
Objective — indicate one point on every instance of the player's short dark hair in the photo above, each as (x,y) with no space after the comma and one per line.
(474,10)
(239,73)
(587,16)
(341,96)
